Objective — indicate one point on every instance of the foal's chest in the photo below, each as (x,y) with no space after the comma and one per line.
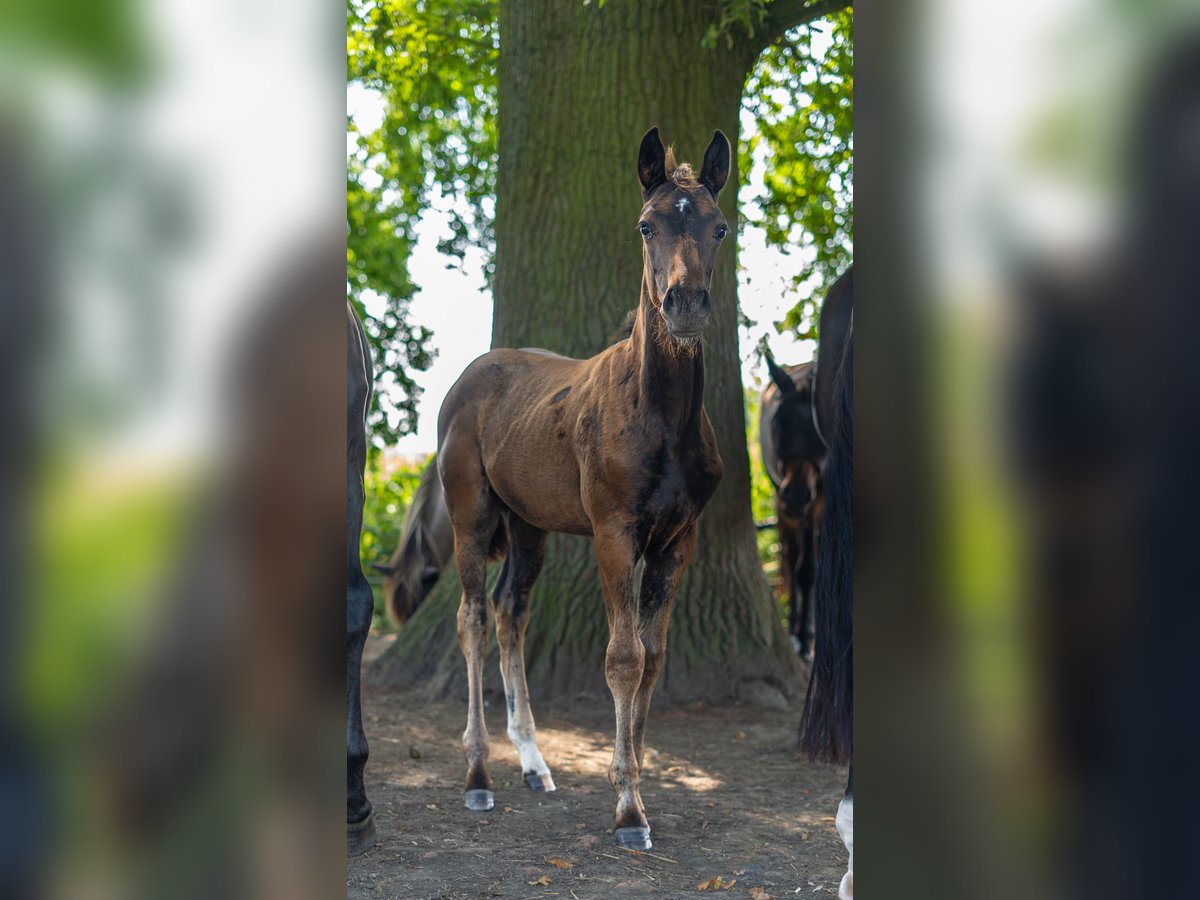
(673,490)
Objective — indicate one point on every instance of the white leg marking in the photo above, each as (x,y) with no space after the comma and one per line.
(845,828)
(527,750)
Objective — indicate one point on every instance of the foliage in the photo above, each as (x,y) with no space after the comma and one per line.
(735,17)
(103,551)
(762,499)
(433,64)
(809,179)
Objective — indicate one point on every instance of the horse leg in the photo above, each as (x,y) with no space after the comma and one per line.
(789,555)
(806,572)
(475,513)
(660,579)
(360,822)
(623,667)
(526,551)
(845,828)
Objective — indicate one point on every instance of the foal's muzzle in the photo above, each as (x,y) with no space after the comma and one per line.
(686,312)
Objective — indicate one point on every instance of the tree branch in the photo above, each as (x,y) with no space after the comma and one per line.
(783,15)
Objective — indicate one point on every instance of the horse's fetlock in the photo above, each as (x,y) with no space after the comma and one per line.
(520,735)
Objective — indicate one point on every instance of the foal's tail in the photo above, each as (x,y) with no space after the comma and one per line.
(827,725)
(426,545)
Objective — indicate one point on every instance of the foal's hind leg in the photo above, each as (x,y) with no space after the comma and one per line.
(475,512)
(526,551)
(660,579)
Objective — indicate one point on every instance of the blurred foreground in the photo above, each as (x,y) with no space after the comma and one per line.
(1027,426)
(171,631)
(171,199)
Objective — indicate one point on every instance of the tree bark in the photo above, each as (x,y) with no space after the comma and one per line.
(579,85)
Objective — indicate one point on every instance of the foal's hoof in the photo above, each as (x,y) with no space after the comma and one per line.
(360,836)
(539,783)
(635,837)
(480,800)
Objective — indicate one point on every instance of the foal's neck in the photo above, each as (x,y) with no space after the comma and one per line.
(670,378)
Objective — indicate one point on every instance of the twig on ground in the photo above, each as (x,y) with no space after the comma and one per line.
(652,855)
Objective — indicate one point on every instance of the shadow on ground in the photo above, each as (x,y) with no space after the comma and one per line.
(726,794)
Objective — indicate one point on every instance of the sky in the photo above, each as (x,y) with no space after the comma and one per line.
(462,327)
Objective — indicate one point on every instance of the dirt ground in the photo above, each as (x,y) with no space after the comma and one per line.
(725,791)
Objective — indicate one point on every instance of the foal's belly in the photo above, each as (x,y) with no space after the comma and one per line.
(529,455)
(543,489)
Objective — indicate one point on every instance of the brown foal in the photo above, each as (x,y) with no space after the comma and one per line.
(617,447)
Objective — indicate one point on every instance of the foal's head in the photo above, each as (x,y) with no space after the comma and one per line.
(682,227)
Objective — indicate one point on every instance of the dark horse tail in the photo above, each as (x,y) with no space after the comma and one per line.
(827,725)
(426,545)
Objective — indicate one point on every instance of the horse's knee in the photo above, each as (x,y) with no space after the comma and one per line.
(624,662)
(360,606)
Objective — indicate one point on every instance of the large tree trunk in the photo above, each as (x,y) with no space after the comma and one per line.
(579,85)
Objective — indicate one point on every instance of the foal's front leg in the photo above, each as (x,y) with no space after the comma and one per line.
(623,668)
(660,579)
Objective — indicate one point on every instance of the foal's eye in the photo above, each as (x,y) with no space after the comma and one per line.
(646,230)
(721,232)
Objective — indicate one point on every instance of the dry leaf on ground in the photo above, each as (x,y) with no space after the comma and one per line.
(716,883)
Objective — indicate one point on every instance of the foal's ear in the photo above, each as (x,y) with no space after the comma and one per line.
(782,379)
(651,162)
(715,170)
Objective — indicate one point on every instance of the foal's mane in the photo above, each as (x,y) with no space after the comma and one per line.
(626,329)
(679,174)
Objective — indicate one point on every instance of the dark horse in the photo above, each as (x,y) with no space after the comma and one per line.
(827,726)
(793,454)
(837,313)
(617,447)
(360,823)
